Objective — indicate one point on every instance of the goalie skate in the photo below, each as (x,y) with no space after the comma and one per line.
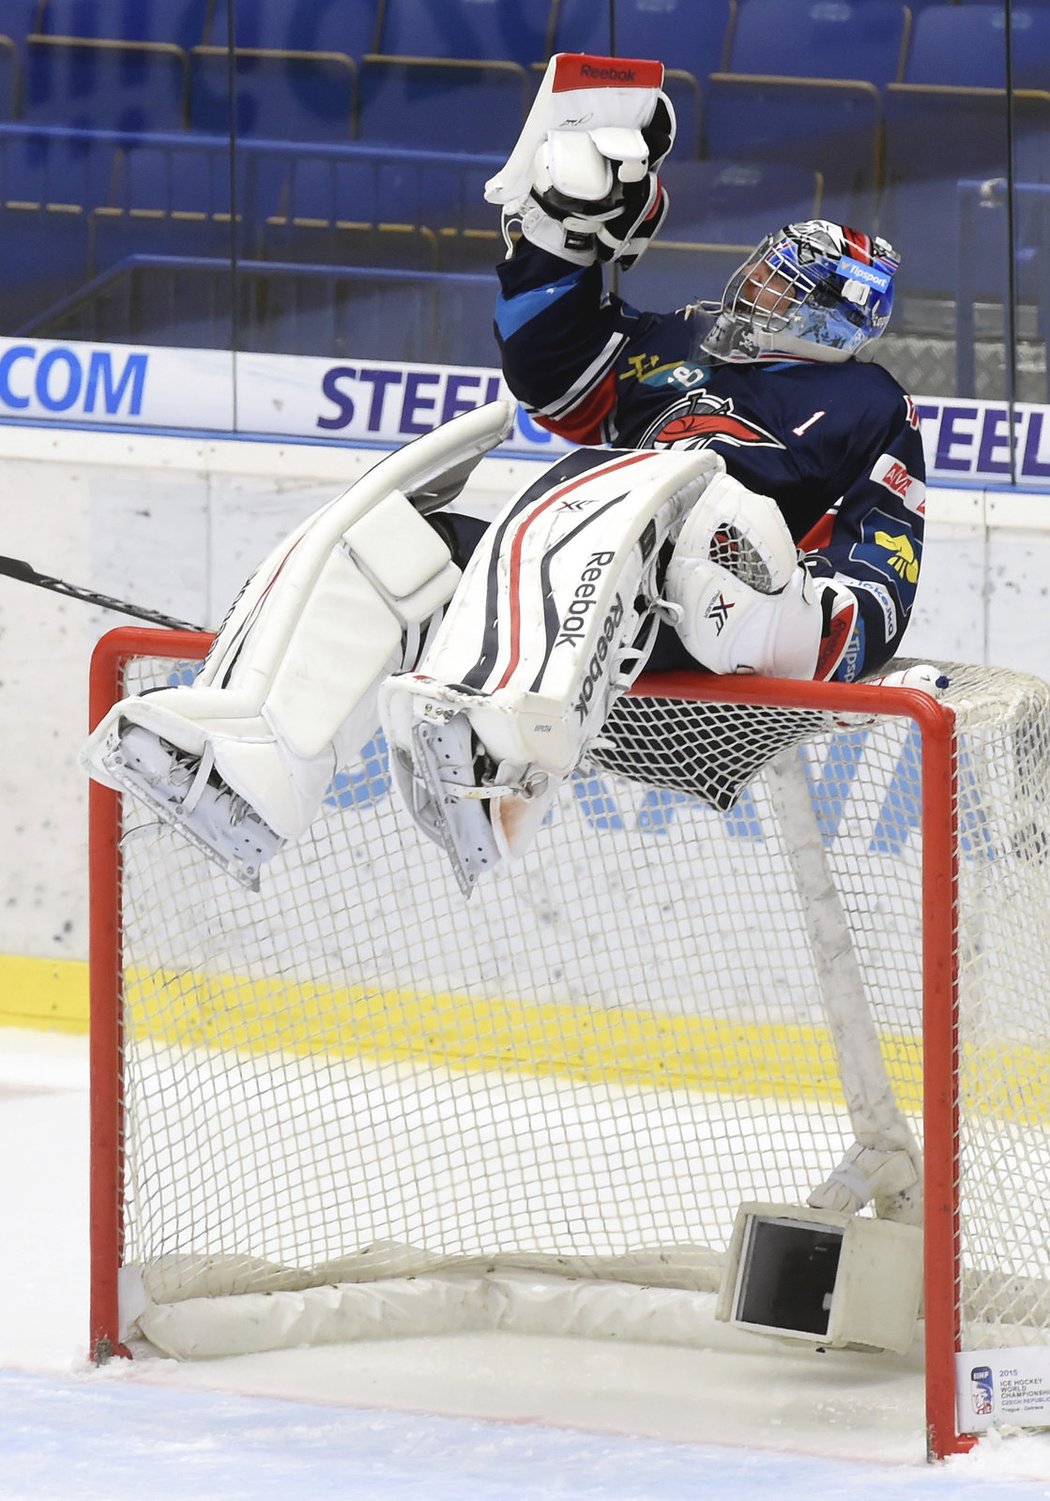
(185,792)
(439,781)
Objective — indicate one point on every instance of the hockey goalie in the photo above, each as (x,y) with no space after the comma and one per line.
(492,654)
(492,675)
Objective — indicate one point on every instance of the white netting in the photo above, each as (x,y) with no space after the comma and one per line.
(357,1075)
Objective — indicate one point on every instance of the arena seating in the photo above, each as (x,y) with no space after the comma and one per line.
(441,105)
(965,46)
(291,96)
(89,84)
(357,115)
(343,26)
(179,23)
(516,32)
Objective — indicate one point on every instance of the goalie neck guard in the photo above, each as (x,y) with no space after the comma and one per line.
(815,289)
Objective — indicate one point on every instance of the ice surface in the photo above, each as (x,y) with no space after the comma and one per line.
(457,1417)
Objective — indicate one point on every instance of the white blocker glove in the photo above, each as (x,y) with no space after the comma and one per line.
(744,602)
(582,178)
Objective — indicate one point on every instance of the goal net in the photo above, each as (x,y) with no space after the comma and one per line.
(355,1103)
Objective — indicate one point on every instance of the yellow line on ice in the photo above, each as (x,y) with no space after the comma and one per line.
(46,994)
(618,1046)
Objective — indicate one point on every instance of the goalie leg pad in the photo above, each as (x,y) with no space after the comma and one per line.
(542,634)
(288,692)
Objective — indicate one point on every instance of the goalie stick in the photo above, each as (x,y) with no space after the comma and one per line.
(425,498)
(14,568)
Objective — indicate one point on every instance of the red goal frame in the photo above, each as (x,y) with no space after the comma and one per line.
(936,725)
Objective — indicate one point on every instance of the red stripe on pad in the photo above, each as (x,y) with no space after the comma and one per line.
(519,541)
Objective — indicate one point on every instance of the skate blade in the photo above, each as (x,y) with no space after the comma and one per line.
(243,871)
(458,823)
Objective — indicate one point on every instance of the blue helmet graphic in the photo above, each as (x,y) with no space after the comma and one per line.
(816,289)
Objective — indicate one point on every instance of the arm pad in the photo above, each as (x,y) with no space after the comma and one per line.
(745,603)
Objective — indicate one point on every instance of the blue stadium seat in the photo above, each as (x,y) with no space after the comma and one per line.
(346,26)
(43,259)
(935,138)
(171,195)
(485,30)
(369,184)
(175,173)
(57,166)
(686,35)
(180,22)
(580,26)
(18,18)
(342,184)
(8,79)
(843,39)
(736,203)
(290,96)
(441,106)
(399,247)
(446,193)
(99,85)
(833,127)
(966,46)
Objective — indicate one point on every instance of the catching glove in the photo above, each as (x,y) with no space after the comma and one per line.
(582,179)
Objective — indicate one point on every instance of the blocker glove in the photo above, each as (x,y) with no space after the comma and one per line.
(582,179)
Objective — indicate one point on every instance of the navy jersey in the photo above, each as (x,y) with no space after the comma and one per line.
(837,446)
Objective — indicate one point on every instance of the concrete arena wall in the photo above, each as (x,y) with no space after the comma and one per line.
(177,523)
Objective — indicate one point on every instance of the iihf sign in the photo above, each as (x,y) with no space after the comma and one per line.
(362,401)
(1000,1388)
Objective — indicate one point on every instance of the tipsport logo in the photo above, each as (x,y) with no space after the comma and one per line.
(868,276)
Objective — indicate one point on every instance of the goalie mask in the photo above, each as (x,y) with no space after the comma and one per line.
(816,289)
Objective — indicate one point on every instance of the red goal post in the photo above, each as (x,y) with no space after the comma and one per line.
(354,1081)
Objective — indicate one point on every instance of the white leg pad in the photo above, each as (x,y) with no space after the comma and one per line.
(288,692)
(540,638)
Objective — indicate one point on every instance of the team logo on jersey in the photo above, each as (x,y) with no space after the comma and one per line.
(902,557)
(888,548)
(700,420)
